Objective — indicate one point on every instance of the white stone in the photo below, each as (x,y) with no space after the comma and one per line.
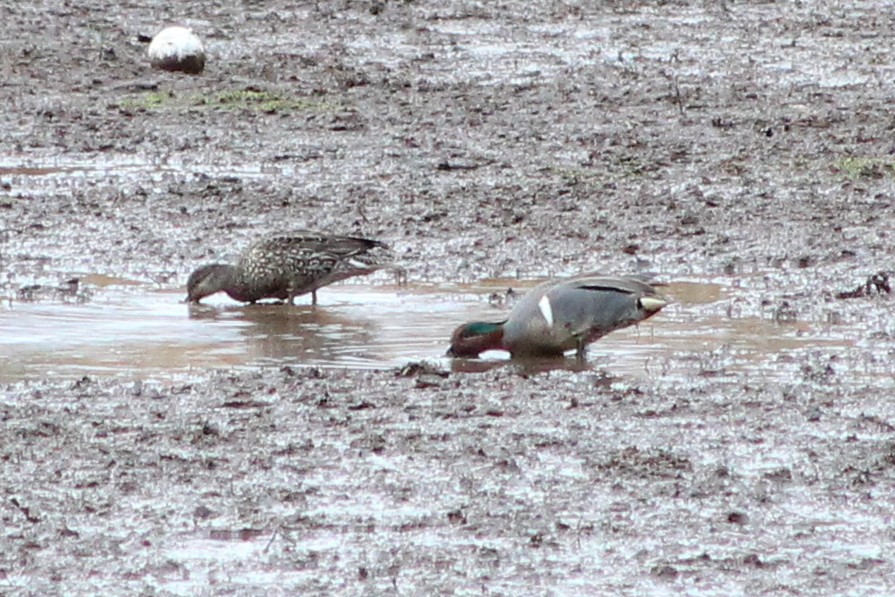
(177,49)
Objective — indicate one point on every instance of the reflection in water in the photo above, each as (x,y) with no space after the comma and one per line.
(285,334)
(526,366)
(130,329)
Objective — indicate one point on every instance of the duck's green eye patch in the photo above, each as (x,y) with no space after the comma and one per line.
(480,328)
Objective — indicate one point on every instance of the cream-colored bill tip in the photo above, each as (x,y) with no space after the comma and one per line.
(652,303)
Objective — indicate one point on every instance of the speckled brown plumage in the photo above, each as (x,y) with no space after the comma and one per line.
(283,266)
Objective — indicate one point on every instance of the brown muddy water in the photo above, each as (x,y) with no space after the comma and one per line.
(126,328)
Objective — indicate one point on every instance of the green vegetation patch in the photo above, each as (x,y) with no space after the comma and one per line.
(625,167)
(244,99)
(262,101)
(147,101)
(864,167)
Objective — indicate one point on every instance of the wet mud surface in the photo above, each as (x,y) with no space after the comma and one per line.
(745,146)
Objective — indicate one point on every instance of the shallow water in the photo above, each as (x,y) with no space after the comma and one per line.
(131,329)
(33,175)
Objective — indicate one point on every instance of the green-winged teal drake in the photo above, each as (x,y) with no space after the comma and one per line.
(562,315)
(284,266)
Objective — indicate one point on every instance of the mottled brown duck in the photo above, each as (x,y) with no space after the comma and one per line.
(284,266)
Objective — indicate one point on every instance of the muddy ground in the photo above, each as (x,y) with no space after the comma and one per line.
(749,144)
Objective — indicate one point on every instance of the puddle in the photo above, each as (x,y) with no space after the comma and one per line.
(200,559)
(126,329)
(33,175)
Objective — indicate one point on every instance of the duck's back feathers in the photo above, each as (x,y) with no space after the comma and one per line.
(318,242)
(567,314)
(289,264)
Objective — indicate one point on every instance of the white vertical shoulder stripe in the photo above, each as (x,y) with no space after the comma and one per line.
(546,310)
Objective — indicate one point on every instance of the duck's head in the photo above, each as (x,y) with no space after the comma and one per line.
(207,280)
(474,338)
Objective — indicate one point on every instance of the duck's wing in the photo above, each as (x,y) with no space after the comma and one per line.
(321,242)
(318,259)
(592,307)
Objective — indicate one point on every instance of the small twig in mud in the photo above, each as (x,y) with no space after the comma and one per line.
(876,284)
(676,90)
(446,166)
(361,211)
(281,532)
(578,530)
(677,95)
(393,571)
(400,274)
(272,537)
